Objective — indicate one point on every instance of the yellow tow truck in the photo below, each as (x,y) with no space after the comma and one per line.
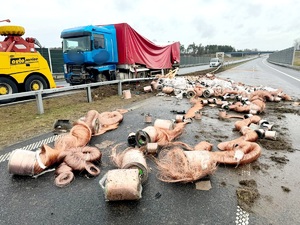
(22,68)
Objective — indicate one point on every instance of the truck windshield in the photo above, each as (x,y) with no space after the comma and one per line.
(81,43)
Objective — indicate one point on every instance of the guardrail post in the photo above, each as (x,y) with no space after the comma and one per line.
(120,88)
(89,94)
(39,102)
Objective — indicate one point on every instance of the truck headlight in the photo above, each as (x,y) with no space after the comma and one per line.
(65,68)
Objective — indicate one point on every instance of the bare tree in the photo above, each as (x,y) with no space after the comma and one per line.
(297,44)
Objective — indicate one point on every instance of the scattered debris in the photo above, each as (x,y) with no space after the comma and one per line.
(157,195)
(177,163)
(204,185)
(246,194)
(104,144)
(178,112)
(121,184)
(279,159)
(131,158)
(62,126)
(285,189)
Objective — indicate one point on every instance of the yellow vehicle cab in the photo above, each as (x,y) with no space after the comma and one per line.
(22,68)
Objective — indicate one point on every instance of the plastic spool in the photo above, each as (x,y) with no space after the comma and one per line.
(190,93)
(253,111)
(165,124)
(121,184)
(267,126)
(21,162)
(238,97)
(272,135)
(147,135)
(224,97)
(212,100)
(126,94)
(179,118)
(131,140)
(246,116)
(159,87)
(148,118)
(208,93)
(261,133)
(152,148)
(225,106)
(134,159)
(147,89)
(204,102)
(262,122)
(277,99)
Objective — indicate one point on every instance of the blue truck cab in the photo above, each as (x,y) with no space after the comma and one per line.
(90,54)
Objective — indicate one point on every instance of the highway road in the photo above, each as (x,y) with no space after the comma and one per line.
(26,200)
(260,72)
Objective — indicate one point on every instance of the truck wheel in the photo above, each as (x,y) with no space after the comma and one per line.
(7,86)
(35,83)
(112,75)
(102,78)
(12,30)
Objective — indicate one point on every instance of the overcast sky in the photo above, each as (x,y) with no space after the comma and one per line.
(243,24)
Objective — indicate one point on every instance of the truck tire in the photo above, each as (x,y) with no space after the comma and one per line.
(35,83)
(12,30)
(7,86)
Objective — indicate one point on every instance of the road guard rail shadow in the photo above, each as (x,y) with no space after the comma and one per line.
(39,94)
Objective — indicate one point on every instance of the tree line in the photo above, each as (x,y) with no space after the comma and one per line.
(197,50)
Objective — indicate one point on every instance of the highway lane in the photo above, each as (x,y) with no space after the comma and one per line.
(39,201)
(277,205)
(259,71)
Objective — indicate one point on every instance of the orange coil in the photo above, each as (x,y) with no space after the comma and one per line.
(198,115)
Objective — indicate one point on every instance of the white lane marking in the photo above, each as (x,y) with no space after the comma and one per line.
(242,217)
(2,157)
(33,146)
(7,156)
(264,62)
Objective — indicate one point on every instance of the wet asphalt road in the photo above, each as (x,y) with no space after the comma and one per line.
(26,200)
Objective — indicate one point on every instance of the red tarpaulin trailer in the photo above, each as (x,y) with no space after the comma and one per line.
(133,48)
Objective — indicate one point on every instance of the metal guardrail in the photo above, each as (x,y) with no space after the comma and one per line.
(39,94)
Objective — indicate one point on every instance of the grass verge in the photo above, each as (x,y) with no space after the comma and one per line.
(21,121)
